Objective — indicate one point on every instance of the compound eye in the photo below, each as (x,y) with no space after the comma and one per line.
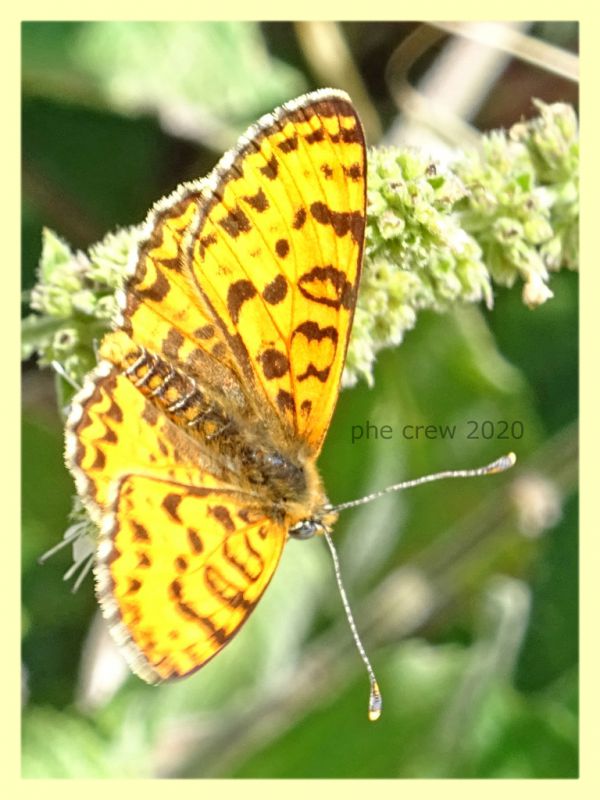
(304,529)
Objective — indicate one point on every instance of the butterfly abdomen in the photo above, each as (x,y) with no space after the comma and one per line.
(167,387)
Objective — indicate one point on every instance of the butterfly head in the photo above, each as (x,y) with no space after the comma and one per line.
(319,523)
(305,529)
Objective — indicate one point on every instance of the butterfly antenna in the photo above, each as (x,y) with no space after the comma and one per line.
(375,702)
(499,465)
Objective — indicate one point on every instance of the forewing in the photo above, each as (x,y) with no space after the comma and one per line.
(161,307)
(276,254)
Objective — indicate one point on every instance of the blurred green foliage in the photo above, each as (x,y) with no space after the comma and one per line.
(469,614)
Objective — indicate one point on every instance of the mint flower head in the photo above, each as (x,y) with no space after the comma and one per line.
(75,300)
(507,211)
(522,203)
(416,254)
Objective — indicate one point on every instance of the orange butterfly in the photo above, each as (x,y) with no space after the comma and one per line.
(193,443)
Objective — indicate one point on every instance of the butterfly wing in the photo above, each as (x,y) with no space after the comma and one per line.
(256,268)
(161,309)
(276,254)
(180,568)
(183,558)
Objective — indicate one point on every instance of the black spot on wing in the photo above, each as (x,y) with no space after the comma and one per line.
(222,515)
(195,541)
(285,401)
(282,247)
(99,461)
(205,242)
(276,291)
(235,222)
(306,407)
(134,586)
(258,201)
(299,218)
(315,333)
(219,350)
(171,344)
(342,222)
(238,293)
(315,136)
(274,363)
(140,534)
(312,372)
(289,144)
(354,172)
(157,291)
(352,135)
(171,504)
(271,168)
(110,436)
(204,332)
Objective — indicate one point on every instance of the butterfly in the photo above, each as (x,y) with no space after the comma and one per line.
(193,444)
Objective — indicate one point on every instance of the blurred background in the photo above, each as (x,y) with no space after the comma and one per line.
(465,592)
